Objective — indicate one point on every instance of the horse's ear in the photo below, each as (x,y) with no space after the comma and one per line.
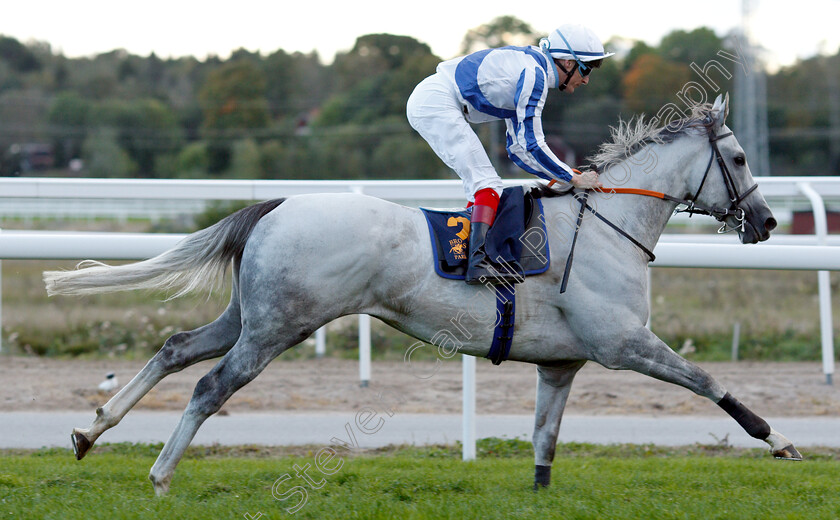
(726,107)
(720,110)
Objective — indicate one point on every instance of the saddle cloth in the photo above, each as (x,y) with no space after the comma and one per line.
(518,234)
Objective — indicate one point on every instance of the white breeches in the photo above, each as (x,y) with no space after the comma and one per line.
(436,113)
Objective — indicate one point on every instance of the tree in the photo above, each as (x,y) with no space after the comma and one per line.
(697,46)
(391,65)
(144,128)
(104,157)
(245,160)
(19,58)
(638,50)
(501,31)
(296,83)
(233,104)
(373,55)
(406,156)
(68,118)
(652,82)
(233,97)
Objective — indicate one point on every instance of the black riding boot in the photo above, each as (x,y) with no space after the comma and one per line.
(480,269)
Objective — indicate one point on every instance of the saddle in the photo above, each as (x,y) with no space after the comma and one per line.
(518,235)
(517,238)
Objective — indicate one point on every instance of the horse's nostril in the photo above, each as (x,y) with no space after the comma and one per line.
(770,224)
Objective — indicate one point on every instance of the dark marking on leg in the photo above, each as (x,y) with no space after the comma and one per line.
(753,424)
(542,476)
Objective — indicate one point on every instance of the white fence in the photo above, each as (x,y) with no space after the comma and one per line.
(818,254)
(784,252)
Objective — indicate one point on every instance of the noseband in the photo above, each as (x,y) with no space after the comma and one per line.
(734,210)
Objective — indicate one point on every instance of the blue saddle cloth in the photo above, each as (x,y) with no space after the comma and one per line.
(518,234)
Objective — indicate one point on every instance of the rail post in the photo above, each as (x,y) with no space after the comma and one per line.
(823,281)
(468,417)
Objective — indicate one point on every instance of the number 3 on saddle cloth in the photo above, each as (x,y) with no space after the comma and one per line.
(517,238)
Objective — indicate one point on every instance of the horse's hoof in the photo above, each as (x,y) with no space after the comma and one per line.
(81,444)
(161,485)
(787,453)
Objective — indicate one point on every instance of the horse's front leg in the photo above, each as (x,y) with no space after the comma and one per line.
(553,386)
(645,353)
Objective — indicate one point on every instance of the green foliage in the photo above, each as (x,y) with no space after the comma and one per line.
(246,162)
(296,84)
(378,74)
(105,157)
(233,98)
(287,115)
(587,123)
(144,129)
(499,32)
(399,156)
(19,57)
(193,160)
(696,46)
(652,82)
(70,110)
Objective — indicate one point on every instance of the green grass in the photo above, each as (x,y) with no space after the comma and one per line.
(589,481)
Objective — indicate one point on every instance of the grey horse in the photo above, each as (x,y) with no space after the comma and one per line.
(299,263)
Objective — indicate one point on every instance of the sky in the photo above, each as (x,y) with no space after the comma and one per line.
(787,30)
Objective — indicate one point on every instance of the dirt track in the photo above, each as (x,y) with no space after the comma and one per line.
(770,389)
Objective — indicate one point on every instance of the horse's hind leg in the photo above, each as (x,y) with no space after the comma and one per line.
(645,353)
(239,366)
(553,386)
(178,352)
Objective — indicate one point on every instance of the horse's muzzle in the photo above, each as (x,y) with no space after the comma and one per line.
(757,225)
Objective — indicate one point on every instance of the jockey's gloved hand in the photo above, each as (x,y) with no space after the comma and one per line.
(586,180)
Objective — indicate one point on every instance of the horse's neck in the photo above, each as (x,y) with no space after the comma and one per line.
(668,168)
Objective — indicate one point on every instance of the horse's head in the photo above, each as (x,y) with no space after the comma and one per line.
(727,189)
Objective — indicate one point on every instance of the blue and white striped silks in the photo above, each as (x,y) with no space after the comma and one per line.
(511,83)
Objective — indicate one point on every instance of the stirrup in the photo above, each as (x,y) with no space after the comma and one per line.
(486,272)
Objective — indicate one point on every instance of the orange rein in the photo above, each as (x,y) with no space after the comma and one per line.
(630,191)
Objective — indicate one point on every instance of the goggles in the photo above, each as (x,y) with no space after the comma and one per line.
(586,68)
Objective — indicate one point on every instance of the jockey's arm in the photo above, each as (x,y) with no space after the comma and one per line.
(529,145)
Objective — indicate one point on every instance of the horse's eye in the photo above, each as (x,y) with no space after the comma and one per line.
(740,160)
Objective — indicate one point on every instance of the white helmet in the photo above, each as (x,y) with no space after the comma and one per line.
(574,42)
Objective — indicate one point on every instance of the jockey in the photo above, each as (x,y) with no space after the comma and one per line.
(509,83)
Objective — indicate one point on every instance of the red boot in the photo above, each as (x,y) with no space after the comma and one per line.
(481,269)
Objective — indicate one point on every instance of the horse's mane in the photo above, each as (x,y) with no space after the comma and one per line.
(630,136)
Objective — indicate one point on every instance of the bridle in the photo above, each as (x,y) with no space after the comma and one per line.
(735,199)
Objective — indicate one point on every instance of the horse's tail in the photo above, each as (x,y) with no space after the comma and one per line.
(198,261)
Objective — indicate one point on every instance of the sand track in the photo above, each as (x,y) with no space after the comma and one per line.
(770,389)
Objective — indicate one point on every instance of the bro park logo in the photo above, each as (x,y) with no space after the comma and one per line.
(458,244)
